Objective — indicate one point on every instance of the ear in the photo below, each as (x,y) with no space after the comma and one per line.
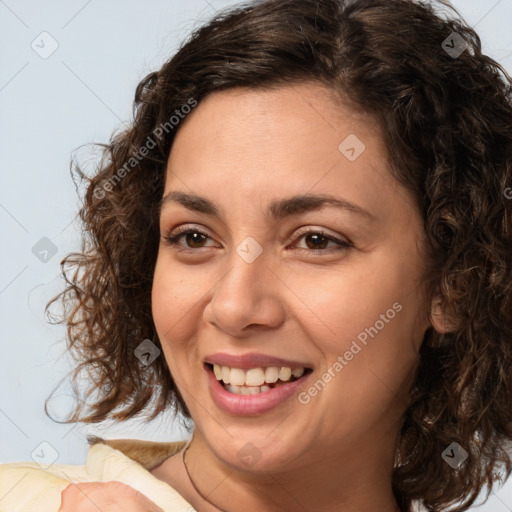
(442,321)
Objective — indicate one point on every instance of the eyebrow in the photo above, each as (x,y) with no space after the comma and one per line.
(277,209)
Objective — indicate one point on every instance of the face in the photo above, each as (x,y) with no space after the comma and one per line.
(264,281)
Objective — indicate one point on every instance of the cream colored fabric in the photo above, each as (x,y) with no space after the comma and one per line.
(26,487)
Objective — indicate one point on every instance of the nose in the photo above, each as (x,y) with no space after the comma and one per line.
(247,298)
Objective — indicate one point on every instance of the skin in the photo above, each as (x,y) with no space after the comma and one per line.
(242,148)
(104,496)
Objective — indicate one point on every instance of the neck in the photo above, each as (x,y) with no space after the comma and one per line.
(352,481)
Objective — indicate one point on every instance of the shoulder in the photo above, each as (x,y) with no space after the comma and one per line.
(29,487)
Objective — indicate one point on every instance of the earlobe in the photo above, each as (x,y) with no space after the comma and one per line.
(440,319)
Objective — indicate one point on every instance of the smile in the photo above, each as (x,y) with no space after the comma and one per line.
(248,391)
(255,380)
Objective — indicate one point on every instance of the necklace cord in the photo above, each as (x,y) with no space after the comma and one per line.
(201,494)
(192,481)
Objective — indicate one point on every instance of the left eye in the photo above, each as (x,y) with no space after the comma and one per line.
(315,240)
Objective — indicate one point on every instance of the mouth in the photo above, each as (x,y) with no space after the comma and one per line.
(255,381)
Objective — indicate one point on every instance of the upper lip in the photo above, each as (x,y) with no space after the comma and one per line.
(251,360)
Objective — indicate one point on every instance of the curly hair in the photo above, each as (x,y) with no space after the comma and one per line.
(446,120)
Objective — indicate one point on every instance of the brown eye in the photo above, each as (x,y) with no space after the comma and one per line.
(193,239)
(317,241)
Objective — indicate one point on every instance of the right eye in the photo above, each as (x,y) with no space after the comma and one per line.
(192,236)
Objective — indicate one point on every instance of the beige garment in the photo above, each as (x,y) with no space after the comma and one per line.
(27,487)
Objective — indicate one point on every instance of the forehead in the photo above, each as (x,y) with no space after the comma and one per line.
(293,139)
(285,116)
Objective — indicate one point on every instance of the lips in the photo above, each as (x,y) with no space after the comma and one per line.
(253,360)
(253,404)
(251,384)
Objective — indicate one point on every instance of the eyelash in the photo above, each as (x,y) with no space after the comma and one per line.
(172,240)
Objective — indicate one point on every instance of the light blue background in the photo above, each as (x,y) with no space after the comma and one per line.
(49,107)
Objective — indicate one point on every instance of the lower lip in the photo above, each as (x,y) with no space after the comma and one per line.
(248,405)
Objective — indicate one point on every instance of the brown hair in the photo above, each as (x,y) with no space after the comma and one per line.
(447,123)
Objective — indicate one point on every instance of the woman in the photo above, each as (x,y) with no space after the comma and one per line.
(302,243)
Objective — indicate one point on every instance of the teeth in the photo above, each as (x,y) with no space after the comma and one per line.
(297,372)
(271,374)
(285,373)
(254,377)
(225,373)
(247,390)
(236,376)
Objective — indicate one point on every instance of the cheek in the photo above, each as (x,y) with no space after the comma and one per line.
(348,301)
(176,315)
(176,291)
(370,316)
(367,370)
(175,307)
